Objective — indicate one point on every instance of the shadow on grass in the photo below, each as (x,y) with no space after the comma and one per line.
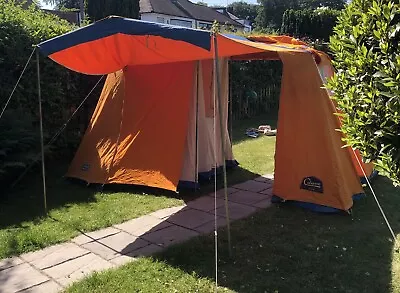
(25,202)
(288,249)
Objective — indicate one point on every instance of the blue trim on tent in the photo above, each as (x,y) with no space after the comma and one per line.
(236,37)
(313,206)
(231,164)
(371,177)
(115,25)
(207,176)
(188,185)
(359,196)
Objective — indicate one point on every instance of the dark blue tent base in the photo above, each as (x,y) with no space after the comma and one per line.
(205,177)
(320,208)
(312,206)
(371,177)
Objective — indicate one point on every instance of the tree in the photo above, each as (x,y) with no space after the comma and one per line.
(98,9)
(366,86)
(312,4)
(201,3)
(308,23)
(243,10)
(60,4)
(271,12)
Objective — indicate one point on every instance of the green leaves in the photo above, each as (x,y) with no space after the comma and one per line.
(315,24)
(99,9)
(20,30)
(367,84)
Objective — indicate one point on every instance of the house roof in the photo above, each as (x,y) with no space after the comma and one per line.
(185,8)
(161,6)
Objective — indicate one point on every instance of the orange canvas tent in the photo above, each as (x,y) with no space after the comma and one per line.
(156,120)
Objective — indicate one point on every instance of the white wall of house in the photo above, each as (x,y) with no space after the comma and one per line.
(175,20)
(168,19)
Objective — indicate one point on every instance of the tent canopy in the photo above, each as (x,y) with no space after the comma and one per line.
(112,44)
(161,64)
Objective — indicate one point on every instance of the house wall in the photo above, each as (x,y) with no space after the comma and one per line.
(168,19)
(176,20)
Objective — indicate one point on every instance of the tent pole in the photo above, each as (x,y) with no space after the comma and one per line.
(196,168)
(41,129)
(230,108)
(218,84)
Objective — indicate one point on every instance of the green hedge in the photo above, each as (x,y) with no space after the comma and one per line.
(255,87)
(313,24)
(62,90)
(367,84)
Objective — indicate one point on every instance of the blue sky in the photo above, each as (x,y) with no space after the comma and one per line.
(210,2)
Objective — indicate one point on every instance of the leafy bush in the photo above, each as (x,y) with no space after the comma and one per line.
(366,86)
(19,143)
(270,12)
(314,24)
(62,90)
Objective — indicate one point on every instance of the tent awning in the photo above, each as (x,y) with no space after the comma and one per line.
(117,25)
(115,42)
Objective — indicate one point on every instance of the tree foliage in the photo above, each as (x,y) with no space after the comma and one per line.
(308,23)
(201,3)
(271,11)
(98,9)
(367,84)
(61,89)
(60,4)
(244,10)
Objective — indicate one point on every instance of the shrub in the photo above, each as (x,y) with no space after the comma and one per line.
(314,24)
(366,86)
(20,30)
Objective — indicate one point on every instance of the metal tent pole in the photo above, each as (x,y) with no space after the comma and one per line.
(41,129)
(230,108)
(218,84)
(197,127)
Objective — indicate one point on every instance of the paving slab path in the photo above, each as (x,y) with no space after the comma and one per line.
(52,269)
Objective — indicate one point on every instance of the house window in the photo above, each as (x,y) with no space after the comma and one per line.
(160,19)
(180,22)
(204,25)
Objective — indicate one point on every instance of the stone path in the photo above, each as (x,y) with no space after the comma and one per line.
(53,268)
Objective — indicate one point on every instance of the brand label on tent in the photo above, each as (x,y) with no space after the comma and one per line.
(312,184)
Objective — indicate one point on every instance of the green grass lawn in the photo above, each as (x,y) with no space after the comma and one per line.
(74,207)
(281,249)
